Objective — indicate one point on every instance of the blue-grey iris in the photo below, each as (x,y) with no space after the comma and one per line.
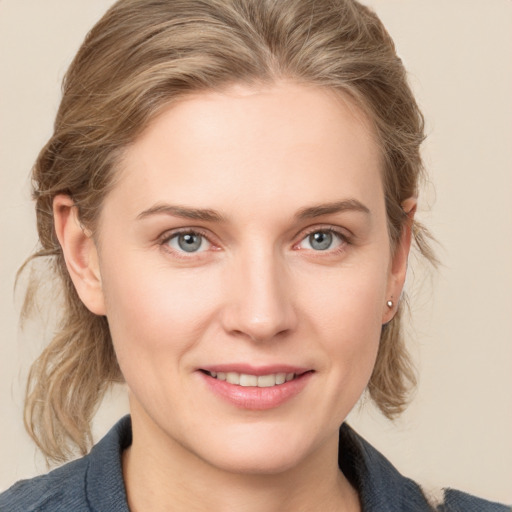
(321,240)
(190,242)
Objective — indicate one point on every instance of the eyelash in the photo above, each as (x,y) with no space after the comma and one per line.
(164,240)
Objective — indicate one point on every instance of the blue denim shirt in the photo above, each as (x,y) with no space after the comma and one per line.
(94,483)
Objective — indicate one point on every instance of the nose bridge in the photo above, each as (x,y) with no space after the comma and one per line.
(260,305)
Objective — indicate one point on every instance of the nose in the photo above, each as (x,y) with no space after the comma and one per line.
(259,303)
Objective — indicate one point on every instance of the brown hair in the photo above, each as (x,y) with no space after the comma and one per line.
(143,55)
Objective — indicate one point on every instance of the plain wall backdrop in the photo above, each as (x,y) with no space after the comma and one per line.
(457,432)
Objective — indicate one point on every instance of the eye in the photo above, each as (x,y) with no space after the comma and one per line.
(189,242)
(322,240)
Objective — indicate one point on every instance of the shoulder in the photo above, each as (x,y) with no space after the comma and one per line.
(457,501)
(382,488)
(94,482)
(61,489)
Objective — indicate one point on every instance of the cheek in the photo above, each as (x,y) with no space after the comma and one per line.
(345,311)
(346,300)
(151,310)
(355,336)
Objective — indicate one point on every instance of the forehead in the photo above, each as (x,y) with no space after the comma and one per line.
(256,143)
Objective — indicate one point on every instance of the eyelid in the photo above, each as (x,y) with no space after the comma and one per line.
(170,233)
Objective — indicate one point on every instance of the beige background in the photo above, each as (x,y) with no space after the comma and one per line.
(458,432)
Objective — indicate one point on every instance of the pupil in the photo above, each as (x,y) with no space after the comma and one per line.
(320,240)
(189,242)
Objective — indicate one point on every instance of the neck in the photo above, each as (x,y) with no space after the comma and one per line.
(162,475)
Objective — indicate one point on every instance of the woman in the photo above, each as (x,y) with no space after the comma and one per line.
(229,201)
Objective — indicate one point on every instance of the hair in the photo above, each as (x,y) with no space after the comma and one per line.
(142,56)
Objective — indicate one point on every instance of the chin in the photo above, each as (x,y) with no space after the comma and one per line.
(270,450)
(261,463)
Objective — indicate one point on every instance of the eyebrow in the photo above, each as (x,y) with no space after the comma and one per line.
(330,208)
(204,214)
(209,215)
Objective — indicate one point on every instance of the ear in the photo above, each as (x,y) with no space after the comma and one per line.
(80,254)
(398,269)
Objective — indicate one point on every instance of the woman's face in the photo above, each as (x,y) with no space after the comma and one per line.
(246,240)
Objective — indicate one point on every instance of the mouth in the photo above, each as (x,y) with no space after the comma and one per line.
(256,388)
(248,380)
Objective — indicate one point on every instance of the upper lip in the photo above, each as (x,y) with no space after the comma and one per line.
(255,370)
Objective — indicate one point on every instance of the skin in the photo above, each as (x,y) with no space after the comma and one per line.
(257,291)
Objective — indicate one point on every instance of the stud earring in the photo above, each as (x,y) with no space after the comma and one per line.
(389,304)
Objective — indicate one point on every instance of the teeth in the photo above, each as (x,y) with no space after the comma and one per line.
(246,380)
(233,378)
(280,378)
(266,381)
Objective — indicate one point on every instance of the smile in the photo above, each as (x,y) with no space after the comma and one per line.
(247,380)
(256,389)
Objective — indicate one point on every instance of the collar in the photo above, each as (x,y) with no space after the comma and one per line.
(104,485)
(379,484)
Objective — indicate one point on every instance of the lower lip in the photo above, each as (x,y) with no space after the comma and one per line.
(254,398)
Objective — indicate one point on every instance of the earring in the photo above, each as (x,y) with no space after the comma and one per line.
(389,304)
